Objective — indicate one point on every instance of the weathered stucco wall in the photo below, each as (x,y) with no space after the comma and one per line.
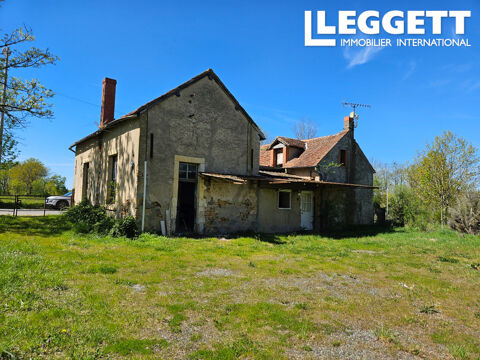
(272,219)
(337,174)
(305,172)
(201,123)
(228,207)
(346,205)
(364,214)
(122,140)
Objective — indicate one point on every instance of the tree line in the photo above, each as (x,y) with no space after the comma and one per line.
(440,186)
(30,177)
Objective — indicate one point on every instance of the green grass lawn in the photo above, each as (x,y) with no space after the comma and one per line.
(396,294)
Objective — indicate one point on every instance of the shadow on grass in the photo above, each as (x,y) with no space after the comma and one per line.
(340,233)
(270,238)
(34,225)
(359,231)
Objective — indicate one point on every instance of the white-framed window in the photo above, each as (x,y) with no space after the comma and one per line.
(279,157)
(284,199)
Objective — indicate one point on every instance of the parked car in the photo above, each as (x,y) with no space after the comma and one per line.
(59,202)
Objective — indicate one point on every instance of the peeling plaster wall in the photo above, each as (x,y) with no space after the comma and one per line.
(229,207)
(337,174)
(271,219)
(364,213)
(305,172)
(350,206)
(122,140)
(200,123)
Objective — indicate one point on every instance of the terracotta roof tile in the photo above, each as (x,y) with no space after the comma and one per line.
(289,142)
(315,150)
(264,155)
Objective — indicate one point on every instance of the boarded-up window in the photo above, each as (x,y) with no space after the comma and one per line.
(279,156)
(342,158)
(284,199)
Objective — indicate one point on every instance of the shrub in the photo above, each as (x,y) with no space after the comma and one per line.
(87,218)
(406,208)
(126,226)
(464,216)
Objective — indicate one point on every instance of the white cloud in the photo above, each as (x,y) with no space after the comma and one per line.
(471,85)
(360,56)
(412,65)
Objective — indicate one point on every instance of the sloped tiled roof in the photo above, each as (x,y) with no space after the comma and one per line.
(264,155)
(315,150)
(288,142)
(133,114)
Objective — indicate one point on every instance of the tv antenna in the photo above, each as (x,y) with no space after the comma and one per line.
(354,106)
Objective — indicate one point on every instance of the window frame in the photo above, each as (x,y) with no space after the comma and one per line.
(251,159)
(85,175)
(112,183)
(289,192)
(151,145)
(190,168)
(279,153)
(344,162)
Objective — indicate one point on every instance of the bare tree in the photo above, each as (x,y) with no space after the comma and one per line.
(268,139)
(305,129)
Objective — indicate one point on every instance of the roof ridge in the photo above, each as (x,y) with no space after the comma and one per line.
(325,136)
(286,137)
(209,72)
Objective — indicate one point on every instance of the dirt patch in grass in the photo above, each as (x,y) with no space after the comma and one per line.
(215,272)
(281,297)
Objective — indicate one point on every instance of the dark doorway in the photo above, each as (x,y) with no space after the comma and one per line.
(187,188)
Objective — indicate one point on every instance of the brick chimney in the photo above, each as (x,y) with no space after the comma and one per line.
(108,101)
(349,123)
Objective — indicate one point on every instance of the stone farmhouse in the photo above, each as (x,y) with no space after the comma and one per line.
(191,161)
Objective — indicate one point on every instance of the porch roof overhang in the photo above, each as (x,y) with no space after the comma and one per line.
(279,179)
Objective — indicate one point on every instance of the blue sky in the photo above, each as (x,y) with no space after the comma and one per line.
(257,49)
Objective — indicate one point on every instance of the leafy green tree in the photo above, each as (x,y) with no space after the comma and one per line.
(446,168)
(24,98)
(38,187)
(405,206)
(9,149)
(25,176)
(4,181)
(55,185)
(386,178)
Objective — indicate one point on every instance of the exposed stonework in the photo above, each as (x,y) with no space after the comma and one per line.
(201,124)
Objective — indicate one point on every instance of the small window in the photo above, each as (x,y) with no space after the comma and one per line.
(86,167)
(279,157)
(343,157)
(188,171)
(151,146)
(112,181)
(251,159)
(284,197)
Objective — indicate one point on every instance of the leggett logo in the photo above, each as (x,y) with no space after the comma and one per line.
(392,22)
